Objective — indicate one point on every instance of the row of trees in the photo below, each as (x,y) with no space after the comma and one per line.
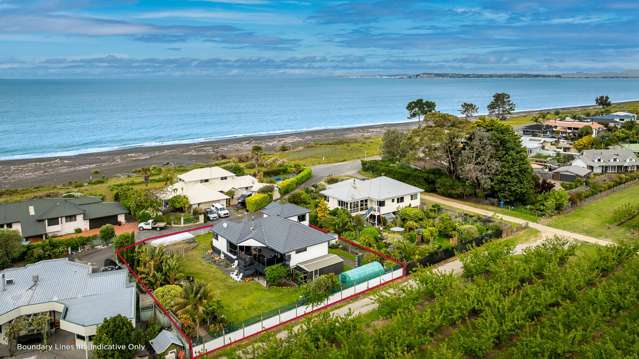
(500,107)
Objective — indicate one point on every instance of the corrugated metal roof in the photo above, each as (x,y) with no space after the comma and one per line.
(163,341)
(63,281)
(379,188)
(285,210)
(320,262)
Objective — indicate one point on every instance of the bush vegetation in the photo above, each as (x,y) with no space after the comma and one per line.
(288,185)
(258,201)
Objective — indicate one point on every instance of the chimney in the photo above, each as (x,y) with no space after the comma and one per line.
(31,211)
(35,278)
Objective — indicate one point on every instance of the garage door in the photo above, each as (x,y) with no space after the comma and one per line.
(99,222)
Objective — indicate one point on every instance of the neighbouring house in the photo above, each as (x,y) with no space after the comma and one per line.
(76,299)
(206,186)
(570,173)
(166,345)
(607,161)
(539,145)
(288,211)
(613,119)
(537,130)
(261,240)
(372,198)
(564,128)
(634,147)
(46,217)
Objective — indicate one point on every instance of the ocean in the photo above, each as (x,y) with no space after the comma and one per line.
(41,118)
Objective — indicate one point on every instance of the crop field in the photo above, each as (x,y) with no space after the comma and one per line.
(553,300)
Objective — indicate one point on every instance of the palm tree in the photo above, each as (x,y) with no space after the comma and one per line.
(195,296)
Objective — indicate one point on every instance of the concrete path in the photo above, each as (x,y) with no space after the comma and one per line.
(546,232)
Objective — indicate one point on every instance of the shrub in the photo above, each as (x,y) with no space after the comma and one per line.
(625,212)
(107,233)
(468,232)
(10,246)
(288,185)
(179,203)
(332,179)
(258,201)
(300,198)
(266,189)
(320,288)
(234,167)
(275,274)
(168,295)
(411,214)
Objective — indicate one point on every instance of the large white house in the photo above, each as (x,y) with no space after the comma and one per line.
(76,299)
(283,236)
(607,161)
(209,185)
(372,198)
(46,217)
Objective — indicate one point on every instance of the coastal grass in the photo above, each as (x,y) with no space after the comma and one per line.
(240,300)
(597,218)
(513,211)
(333,152)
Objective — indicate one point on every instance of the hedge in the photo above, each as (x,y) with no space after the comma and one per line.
(288,185)
(258,201)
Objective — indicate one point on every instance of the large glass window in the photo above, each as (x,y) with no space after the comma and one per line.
(70,218)
(53,222)
(400,199)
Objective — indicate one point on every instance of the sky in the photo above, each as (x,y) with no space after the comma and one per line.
(170,38)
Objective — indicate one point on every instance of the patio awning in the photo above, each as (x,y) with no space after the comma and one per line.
(318,263)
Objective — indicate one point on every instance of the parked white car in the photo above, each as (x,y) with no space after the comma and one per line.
(222,212)
(151,224)
(211,214)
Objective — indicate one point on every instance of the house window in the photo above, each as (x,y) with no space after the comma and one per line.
(400,199)
(8,225)
(223,178)
(300,251)
(413,197)
(301,218)
(342,204)
(68,219)
(53,222)
(381,203)
(204,181)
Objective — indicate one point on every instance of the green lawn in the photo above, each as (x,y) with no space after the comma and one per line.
(514,212)
(241,300)
(332,152)
(595,218)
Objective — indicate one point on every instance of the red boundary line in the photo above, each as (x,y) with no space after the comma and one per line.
(188,339)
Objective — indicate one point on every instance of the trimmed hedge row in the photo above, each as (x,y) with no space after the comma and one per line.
(258,201)
(288,185)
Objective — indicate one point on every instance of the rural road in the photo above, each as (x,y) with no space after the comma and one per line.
(348,168)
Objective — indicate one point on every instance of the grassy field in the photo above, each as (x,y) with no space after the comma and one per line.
(331,152)
(514,212)
(595,218)
(241,300)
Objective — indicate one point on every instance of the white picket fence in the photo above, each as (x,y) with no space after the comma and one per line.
(289,315)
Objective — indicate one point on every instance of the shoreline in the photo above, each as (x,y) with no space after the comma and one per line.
(57,170)
(30,172)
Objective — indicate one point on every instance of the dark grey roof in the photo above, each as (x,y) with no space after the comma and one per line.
(579,171)
(275,232)
(43,208)
(617,157)
(285,210)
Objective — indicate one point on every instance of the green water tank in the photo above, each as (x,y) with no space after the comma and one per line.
(361,274)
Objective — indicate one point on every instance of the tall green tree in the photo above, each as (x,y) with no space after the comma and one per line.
(468,110)
(10,246)
(180,203)
(501,106)
(124,240)
(107,233)
(114,337)
(478,161)
(603,101)
(513,181)
(420,108)
(393,146)
(437,146)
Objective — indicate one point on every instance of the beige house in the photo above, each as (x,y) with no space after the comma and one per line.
(206,186)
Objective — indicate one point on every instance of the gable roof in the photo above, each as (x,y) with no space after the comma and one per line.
(205,173)
(377,188)
(579,171)
(163,341)
(285,210)
(275,232)
(608,157)
(89,297)
(572,124)
(32,213)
